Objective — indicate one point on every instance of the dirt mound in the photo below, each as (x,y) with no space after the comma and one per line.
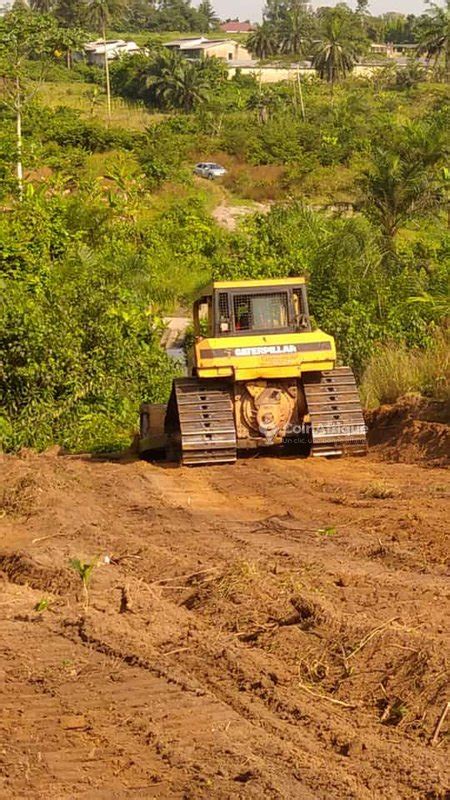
(270,629)
(414,430)
(21,569)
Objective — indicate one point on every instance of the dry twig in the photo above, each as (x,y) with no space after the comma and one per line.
(325,697)
(179,650)
(370,636)
(43,538)
(440,723)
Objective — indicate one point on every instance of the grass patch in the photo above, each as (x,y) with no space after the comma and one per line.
(257,183)
(395,371)
(379,491)
(90,100)
(237,579)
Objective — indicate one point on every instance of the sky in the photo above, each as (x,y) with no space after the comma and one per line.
(251,9)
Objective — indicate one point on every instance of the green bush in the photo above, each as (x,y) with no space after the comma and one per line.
(162,153)
(66,127)
(79,348)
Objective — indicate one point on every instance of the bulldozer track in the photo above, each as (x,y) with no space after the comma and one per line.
(206,421)
(337,422)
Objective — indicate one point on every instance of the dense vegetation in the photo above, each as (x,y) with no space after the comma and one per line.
(103,229)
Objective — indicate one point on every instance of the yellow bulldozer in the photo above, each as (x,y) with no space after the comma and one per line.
(259,376)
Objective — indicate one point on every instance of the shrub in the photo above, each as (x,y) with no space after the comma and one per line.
(392,372)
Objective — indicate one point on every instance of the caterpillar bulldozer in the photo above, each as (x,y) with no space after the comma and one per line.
(259,376)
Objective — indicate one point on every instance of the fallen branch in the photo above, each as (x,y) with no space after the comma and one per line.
(370,636)
(440,723)
(325,697)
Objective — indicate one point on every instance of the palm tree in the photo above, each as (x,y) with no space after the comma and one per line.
(43,6)
(434,36)
(335,52)
(295,39)
(402,179)
(295,33)
(180,83)
(100,13)
(263,41)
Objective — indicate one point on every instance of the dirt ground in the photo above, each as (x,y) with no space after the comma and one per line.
(273,629)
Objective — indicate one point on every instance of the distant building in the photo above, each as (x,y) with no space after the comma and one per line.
(234,26)
(200,47)
(379,48)
(275,73)
(95,51)
(391,50)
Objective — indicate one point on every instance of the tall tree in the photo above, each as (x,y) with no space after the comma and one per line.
(263,41)
(363,13)
(362,7)
(434,35)
(176,15)
(100,13)
(275,11)
(71,16)
(23,35)
(71,13)
(208,18)
(335,52)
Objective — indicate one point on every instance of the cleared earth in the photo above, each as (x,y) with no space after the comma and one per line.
(273,629)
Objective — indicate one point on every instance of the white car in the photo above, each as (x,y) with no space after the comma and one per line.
(208,169)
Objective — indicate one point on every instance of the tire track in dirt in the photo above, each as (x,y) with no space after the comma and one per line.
(227,671)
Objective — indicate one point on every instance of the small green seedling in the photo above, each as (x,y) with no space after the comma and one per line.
(84,570)
(329,531)
(42,605)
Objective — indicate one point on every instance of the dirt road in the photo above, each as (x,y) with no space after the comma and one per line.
(273,629)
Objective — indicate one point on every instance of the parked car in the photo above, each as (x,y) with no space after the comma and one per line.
(208,169)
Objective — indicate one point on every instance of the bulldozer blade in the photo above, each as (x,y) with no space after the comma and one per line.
(152,438)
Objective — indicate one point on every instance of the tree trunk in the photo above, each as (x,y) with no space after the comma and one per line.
(19,140)
(263,115)
(447,59)
(299,84)
(108,85)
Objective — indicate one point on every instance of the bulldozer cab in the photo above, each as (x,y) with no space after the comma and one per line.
(234,308)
